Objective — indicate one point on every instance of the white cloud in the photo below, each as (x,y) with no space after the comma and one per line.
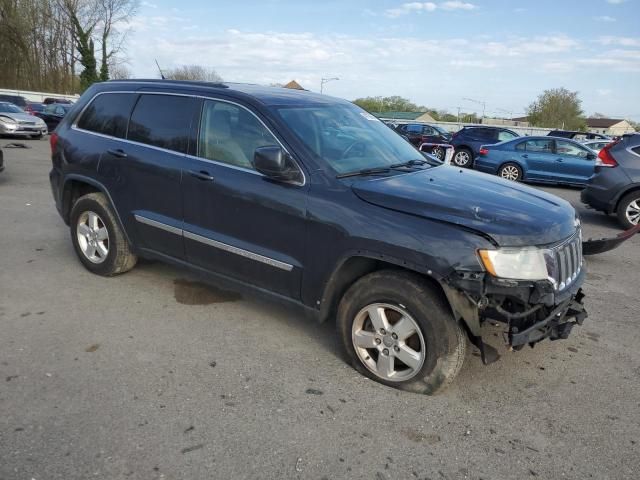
(621,41)
(149,5)
(604,18)
(419,7)
(616,2)
(457,5)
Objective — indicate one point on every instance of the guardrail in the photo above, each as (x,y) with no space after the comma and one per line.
(455,126)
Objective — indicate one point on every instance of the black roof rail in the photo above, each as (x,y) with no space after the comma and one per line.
(173,82)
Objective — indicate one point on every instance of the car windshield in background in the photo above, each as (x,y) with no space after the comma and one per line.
(10,108)
(441,130)
(347,137)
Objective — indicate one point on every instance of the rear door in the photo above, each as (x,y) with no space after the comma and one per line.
(574,162)
(237,222)
(538,158)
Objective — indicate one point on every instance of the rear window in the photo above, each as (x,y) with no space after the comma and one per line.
(107,114)
(163,121)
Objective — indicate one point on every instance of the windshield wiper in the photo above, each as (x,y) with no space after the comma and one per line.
(364,171)
(410,163)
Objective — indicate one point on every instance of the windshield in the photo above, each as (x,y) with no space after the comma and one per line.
(441,130)
(10,108)
(347,137)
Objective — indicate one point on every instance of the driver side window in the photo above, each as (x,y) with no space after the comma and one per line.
(231,134)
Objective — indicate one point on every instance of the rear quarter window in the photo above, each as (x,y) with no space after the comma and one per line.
(107,114)
(163,121)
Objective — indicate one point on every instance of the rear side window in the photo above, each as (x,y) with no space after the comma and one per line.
(505,135)
(107,114)
(163,121)
(414,128)
(538,146)
(636,150)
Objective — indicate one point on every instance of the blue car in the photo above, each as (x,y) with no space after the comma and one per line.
(538,159)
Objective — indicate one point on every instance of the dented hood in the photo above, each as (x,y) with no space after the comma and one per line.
(511,213)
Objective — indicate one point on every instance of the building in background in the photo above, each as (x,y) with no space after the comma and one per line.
(609,126)
(294,85)
(409,116)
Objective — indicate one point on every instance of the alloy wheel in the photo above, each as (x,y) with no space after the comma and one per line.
(93,237)
(510,172)
(462,158)
(388,341)
(633,212)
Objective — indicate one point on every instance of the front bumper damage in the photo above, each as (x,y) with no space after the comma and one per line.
(530,311)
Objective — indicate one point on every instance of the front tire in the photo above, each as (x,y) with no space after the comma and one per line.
(463,157)
(398,331)
(510,171)
(628,211)
(97,238)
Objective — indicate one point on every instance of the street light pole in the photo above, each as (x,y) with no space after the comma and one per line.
(326,80)
(479,102)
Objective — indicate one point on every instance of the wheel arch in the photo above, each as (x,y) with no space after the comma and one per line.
(515,162)
(355,266)
(632,188)
(75,186)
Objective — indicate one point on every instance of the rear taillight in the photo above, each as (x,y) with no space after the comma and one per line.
(53,141)
(605,159)
(484,150)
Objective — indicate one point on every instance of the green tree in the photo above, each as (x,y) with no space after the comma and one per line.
(393,103)
(557,108)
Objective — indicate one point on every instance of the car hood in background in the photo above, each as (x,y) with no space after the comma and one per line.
(511,213)
(21,117)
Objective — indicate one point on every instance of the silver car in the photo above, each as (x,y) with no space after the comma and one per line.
(15,121)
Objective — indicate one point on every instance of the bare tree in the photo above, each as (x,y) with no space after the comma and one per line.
(193,72)
(119,71)
(113,13)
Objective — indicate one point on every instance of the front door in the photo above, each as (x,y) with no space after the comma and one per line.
(237,222)
(537,154)
(575,162)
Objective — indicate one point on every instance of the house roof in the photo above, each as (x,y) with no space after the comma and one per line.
(602,122)
(520,119)
(294,85)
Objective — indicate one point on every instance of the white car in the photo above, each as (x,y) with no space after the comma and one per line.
(597,145)
(15,121)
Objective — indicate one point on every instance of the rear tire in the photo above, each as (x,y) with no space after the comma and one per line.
(510,171)
(628,210)
(97,238)
(439,153)
(463,157)
(414,324)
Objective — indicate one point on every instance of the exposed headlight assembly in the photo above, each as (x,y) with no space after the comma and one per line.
(517,263)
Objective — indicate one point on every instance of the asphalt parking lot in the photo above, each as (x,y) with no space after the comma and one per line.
(152,375)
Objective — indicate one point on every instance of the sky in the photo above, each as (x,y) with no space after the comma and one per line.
(439,54)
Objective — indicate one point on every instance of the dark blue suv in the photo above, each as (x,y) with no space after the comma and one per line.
(313,201)
(468,140)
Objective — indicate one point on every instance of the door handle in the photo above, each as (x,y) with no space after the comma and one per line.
(525,156)
(201,175)
(559,160)
(117,153)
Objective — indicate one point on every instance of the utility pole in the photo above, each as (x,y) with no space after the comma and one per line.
(326,80)
(479,102)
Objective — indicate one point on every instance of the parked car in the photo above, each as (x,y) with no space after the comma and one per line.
(15,121)
(50,100)
(419,133)
(596,145)
(32,108)
(53,113)
(579,136)
(17,100)
(615,187)
(468,140)
(538,159)
(315,202)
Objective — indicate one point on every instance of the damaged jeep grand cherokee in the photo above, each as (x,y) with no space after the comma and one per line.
(315,202)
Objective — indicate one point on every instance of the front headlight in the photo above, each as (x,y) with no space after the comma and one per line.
(516,263)
(8,121)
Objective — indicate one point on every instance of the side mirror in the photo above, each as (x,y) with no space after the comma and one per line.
(274,163)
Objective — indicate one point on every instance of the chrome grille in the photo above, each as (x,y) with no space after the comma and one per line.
(566,262)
